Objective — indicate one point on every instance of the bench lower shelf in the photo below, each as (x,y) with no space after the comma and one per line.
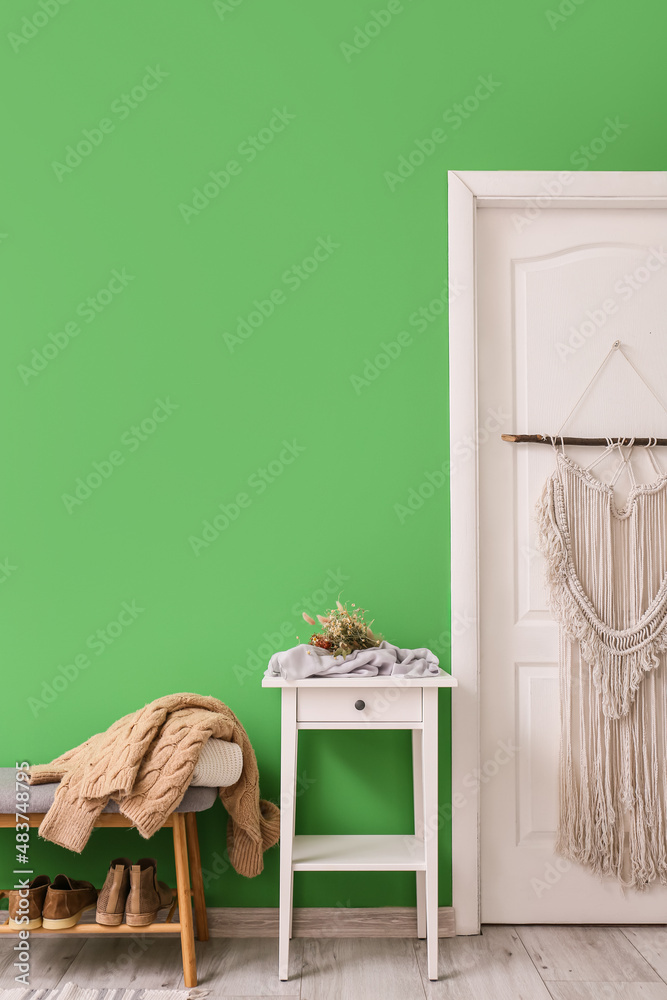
(87,926)
(157,928)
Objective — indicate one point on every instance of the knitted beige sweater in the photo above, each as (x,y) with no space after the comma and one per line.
(145,762)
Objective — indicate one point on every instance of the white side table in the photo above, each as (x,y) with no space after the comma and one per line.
(364,703)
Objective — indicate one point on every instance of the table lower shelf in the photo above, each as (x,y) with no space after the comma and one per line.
(358,852)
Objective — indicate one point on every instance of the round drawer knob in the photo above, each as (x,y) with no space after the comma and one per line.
(360,705)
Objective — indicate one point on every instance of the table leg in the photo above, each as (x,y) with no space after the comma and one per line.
(418,794)
(430,773)
(296,764)
(288,745)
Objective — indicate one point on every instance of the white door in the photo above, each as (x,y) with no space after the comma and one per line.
(554,291)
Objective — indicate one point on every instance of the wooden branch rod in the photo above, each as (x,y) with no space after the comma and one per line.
(586,442)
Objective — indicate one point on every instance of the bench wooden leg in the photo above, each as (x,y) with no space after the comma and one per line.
(196,876)
(184,901)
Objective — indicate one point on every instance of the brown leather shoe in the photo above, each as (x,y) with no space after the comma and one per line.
(147,895)
(66,899)
(22,918)
(111,902)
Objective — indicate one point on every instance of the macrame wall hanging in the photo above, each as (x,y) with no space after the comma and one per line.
(607,584)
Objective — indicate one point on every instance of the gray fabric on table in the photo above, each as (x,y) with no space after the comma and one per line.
(384,660)
(196,798)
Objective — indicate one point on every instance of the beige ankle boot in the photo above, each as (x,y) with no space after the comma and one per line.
(111,901)
(147,895)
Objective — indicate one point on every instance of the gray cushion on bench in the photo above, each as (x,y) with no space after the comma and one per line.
(196,799)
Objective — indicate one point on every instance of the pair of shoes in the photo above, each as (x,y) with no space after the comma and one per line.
(52,905)
(132,890)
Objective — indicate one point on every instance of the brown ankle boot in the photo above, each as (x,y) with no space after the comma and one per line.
(111,902)
(147,895)
(25,911)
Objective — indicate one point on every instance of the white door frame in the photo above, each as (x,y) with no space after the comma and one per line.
(530,193)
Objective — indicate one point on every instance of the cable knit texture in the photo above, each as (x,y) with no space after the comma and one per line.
(220,764)
(145,763)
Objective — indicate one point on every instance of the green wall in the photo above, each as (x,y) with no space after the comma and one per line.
(253,311)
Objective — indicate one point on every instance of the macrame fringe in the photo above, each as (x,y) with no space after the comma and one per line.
(602,568)
(619,660)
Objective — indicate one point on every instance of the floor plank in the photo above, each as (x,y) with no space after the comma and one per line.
(50,959)
(335,968)
(491,966)
(137,961)
(608,991)
(503,963)
(246,967)
(651,942)
(588,954)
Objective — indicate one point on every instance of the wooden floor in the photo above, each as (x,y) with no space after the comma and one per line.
(503,963)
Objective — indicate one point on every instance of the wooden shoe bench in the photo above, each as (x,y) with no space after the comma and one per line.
(187,861)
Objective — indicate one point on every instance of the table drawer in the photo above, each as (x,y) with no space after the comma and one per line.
(376,704)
